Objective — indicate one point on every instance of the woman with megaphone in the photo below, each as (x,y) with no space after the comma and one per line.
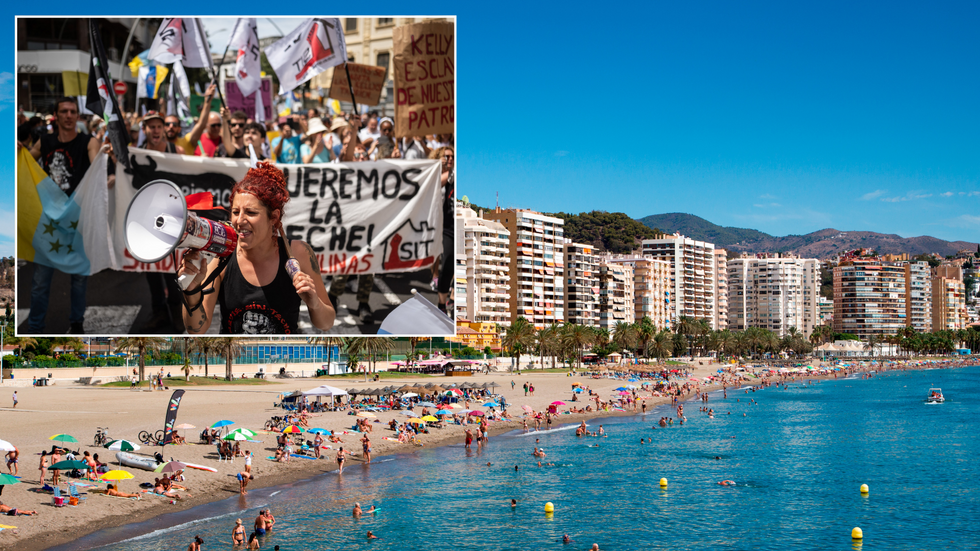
(259,287)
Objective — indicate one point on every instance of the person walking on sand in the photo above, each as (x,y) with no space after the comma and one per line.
(15,398)
(366,446)
(43,467)
(248,461)
(525,390)
(12,456)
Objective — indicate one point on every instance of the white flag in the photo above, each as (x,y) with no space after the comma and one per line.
(181,39)
(259,107)
(248,67)
(177,98)
(311,48)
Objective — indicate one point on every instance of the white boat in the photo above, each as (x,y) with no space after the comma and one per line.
(137,461)
(935,396)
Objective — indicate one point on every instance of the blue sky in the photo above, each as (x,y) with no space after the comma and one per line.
(775,116)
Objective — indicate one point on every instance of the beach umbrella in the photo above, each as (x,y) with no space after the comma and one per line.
(444,412)
(317,431)
(6,446)
(430,419)
(557,403)
(122,446)
(170,467)
(69,464)
(491,385)
(454,391)
(476,413)
(292,429)
(415,421)
(236,436)
(367,415)
(446,406)
(63,438)
(246,432)
(6,479)
(491,405)
(409,395)
(220,424)
(622,388)
(116,475)
(527,409)
(427,404)
(185,426)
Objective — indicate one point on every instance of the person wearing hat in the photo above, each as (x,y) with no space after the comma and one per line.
(285,148)
(338,127)
(156,135)
(320,149)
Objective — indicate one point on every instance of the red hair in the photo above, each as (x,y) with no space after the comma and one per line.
(267,184)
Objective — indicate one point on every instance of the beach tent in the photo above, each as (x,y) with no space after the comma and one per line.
(325,390)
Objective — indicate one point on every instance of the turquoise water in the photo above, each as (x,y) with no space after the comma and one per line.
(798,457)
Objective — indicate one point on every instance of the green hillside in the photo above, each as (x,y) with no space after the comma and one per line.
(700,229)
(608,231)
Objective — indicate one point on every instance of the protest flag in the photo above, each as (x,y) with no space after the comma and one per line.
(248,69)
(70,234)
(101,99)
(311,48)
(181,39)
(179,91)
(149,80)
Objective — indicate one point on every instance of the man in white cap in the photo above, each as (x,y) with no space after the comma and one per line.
(320,148)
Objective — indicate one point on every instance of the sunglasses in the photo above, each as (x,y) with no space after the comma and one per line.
(386,129)
(216,125)
(171,124)
(236,124)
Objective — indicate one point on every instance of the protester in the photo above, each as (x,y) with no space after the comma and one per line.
(267,299)
(320,149)
(65,156)
(237,135)
(286,147)
(156,136)
(448,178)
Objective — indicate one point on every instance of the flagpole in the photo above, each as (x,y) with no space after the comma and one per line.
(350,86)
(227,46)
(214,74)
(125,52)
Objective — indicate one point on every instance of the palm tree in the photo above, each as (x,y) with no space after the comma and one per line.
(726,342)
(625,335)
(661,345)
(519,338)
(872,344)
(549,343)
(645,331)
(771,342)
(206,347)
(578,337)
(142,345)
(374,346)
(414,341)
(328,343)
(353,346)
(187,367)
(230,348)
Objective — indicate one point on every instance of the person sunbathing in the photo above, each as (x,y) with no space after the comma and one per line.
(112,491)
(13,511)
(334,438)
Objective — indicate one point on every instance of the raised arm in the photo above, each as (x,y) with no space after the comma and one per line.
(202,119)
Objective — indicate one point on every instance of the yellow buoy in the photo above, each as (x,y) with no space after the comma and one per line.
(549,507)
(663,482)
(864,488)
(857,534)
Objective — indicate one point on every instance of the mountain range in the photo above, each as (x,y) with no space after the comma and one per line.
(819,244)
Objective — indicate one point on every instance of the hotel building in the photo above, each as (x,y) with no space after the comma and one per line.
(773,293)
(651,288)
(692,265)
(615,294)
(536,265)
(948,304)
(721,289)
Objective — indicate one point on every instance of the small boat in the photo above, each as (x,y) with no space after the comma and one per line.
(935,396)
(136,461)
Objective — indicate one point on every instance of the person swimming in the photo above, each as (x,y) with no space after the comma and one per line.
(727,483)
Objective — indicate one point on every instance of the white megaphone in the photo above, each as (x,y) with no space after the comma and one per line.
(158,222)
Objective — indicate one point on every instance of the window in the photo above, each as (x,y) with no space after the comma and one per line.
(351,25)
(383,59)
(385,21)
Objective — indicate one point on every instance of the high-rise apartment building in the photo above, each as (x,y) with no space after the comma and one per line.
(651,288)
(482,280)
(536,267)
(581,284)
(869,298)
(615,294)
(692,274)
(773,293)
(948,304)
(918,286)
(826,307)
(721,289)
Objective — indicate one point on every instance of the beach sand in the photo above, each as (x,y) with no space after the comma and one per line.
(78,409)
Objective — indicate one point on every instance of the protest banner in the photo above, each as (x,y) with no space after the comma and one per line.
(425,78)
(237,102)
(367,81)
(360,218)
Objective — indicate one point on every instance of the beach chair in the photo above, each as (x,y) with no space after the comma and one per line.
(58,500)
(221,455)
(73,494)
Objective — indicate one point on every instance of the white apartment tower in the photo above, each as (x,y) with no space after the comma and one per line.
(536,265)
(773,293)
(721,289)
(482,282)
(581,284)
(692,275)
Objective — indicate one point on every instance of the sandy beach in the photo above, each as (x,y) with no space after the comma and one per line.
(77,409)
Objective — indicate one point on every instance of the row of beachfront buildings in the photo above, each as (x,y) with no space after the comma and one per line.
(514,262)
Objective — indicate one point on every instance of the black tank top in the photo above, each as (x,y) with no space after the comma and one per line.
(247,309)
(65,162)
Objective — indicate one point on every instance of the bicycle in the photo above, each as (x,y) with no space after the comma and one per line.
(148,438)
(102,436)
(276,423)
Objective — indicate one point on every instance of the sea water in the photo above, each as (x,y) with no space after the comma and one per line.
(798,457)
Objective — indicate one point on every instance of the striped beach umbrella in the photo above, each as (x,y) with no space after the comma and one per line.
(122,446)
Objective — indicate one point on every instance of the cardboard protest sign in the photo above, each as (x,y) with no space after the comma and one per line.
(425,78)
(236,101)
(368,82)
(360,218)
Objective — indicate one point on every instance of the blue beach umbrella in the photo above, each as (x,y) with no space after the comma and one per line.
(491,405)
(317,431)
(220,424)
(444,412)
